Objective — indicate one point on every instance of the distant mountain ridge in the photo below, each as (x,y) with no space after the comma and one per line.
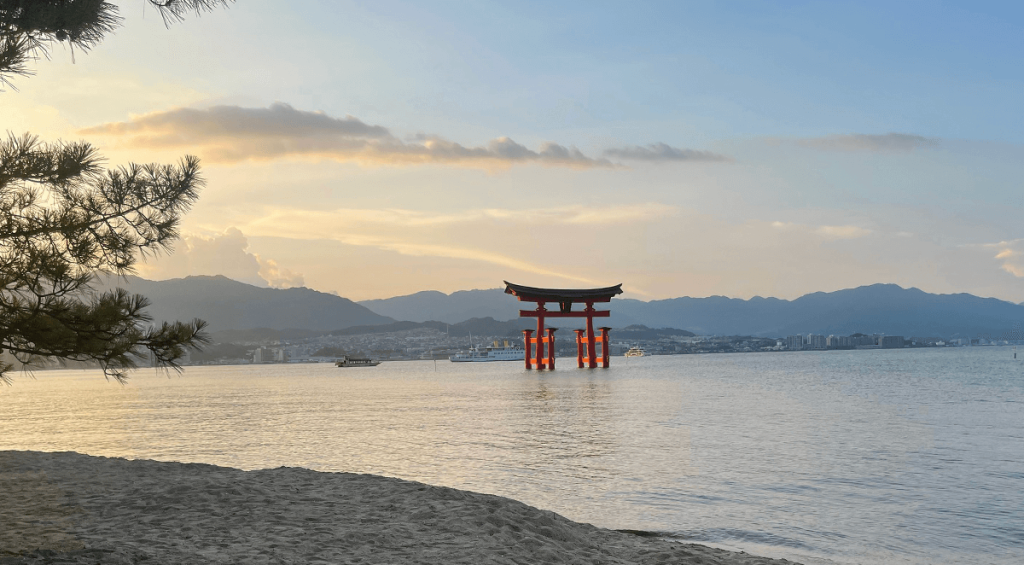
(435,306)
(879,308)
(432,305)
(227,304)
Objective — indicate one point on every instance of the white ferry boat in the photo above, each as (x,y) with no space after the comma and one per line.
(635,351)
(494,352)
(347,361)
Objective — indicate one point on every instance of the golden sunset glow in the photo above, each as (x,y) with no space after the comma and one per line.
(461,165)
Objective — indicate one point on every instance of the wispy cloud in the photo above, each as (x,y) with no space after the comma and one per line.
(452,235)
(591,215)
(369,230)
(1010,255)
(189,125)
(890,142)
(843,232)
(825,232)
(662,152)
(230,134)
(459,252)
(391,218)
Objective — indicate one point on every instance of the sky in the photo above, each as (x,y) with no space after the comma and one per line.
(375,149)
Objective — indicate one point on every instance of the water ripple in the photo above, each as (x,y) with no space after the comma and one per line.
(909,456)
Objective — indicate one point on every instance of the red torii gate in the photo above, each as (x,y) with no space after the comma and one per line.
(565,298)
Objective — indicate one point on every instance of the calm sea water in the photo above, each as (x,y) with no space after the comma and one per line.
(899,456)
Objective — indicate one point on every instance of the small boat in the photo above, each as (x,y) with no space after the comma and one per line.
(347,361)
(635,351)
(496,352)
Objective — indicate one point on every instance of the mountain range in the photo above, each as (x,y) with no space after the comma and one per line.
(882,308)
(227,304)
(431,305)
(879,308)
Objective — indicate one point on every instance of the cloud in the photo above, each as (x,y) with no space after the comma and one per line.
(1011,255)
(825,232)
(231,134)
(225,254)
(391,218)
(661,152)
(403,244)
(189,125)
(277,276)
(472,235)
(843,232)
(888,143)
(572,215)
(456,252)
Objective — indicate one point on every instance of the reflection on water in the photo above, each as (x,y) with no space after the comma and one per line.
(849,457)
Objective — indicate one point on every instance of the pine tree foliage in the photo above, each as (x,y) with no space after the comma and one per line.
(28,28)
(63,218)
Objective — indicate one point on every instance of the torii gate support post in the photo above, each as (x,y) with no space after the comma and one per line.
(551,348)
(540,335)
(606,351)
(591,342)
(527,339)
(540,357)
(579,348)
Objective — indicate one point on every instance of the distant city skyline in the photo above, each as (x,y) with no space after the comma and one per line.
(376,149)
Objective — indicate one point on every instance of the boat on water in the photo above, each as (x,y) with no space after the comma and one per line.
(347,361)
(635,351)
(496,352)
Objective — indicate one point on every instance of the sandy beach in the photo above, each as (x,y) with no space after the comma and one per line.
(74,508)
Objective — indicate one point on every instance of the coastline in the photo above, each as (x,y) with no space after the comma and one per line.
(71,508)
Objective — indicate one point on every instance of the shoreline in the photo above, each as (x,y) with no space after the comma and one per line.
(71,508)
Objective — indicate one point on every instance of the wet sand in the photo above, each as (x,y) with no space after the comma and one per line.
(77,509)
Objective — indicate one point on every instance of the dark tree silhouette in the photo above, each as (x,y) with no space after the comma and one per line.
(28,28)
(64,219)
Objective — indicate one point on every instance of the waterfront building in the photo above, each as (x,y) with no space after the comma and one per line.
(263,355)
(890,341)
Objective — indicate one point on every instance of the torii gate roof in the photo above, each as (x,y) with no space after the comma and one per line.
(561,295)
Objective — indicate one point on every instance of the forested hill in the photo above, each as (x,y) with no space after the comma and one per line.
(231,305)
